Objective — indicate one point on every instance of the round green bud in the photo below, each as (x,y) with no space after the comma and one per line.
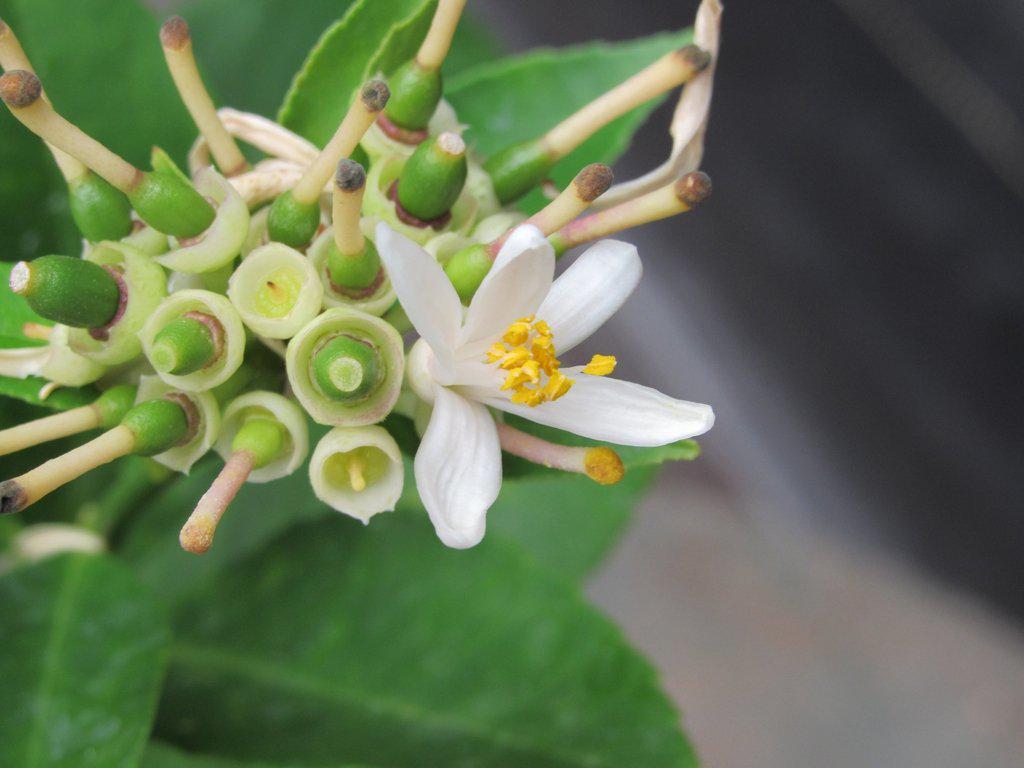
(113,404)
(433,177)
(291,222)
(101,211)
(346,369)
(357,271)
(517,169)
(415,92)
(158,425)
(171,205)
(71,291)
(265,438)
(467,269)
(185,345)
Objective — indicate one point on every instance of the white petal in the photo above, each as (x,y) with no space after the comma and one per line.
(611,409)
(458,468)
(516,285)
(590,291)
(424,291)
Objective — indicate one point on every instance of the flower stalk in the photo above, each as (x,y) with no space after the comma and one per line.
(600,463)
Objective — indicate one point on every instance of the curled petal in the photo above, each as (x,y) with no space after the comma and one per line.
(458,468)
(590,291)
(424,291)
(611,410)
(514,288)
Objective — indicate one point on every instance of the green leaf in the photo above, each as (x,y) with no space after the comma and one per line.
(520,97)
(373,36)
(101,64)
(14,313)
(348,643)
(84,651)
(159,755)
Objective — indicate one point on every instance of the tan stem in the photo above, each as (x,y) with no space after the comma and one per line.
(197,534)
(670,70)
(434,48)
(40,118)
(12,56)
(599,463)
(38,482)
(347,234)
(48,428)
(356,123)
(182,64)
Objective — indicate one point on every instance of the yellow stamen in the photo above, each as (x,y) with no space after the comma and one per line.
(557,386)
(600,365)
(533,376)
(355,474)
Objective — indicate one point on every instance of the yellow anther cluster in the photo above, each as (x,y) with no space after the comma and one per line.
(527,352)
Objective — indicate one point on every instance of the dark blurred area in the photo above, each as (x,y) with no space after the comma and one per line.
(851,299)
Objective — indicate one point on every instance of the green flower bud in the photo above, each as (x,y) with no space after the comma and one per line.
(100,211)
(171,205)
(519,168)
(415,92)
(291,222)
(358,271)
(66,290)
(157,425)
(433,177)
(185,345)
(114,404)
(265,438)
(467,269)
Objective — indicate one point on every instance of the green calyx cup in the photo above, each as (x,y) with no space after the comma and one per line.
(517,169)
(291,222)
(171,205)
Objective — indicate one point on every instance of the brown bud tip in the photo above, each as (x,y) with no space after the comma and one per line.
(350,175)
(695,57)
(603,465)
(12,497)
(375,95)
(694,188)
(19,88)
(451,144)
(593,181)
(174,33)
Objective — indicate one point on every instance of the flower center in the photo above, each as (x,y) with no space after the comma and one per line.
(527,352)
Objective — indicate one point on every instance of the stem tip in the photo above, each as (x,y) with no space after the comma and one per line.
(375,95)
(695,57)
(603,465)
(593,181)
(174,34)
(12,497)
(693,188)
(350,175)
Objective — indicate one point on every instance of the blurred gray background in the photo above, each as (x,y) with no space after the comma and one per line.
(839,580)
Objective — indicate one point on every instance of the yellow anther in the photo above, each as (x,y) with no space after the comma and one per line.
(514,358)
(531,369)
(542,328)
(600,365)
(557,386)
(515,378)
(496,352)
(530,397)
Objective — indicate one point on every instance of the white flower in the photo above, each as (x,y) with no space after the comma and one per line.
(456,366)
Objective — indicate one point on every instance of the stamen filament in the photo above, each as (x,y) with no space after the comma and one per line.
(197,534)
(48,428)
(26,489)
(356,479)
(666,73)
(601,463)
(438,41)
(681,196)
(360,116)
(177,44)
(21,91)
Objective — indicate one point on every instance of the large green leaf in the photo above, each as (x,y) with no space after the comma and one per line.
(348,643)
(101,63)
(250,51)
(159,755)
(84,648)
(373,36)
(520,97)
